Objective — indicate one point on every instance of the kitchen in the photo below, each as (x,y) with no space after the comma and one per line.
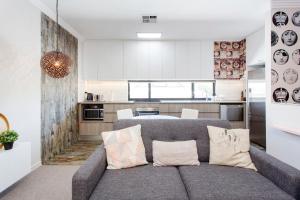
(164,75)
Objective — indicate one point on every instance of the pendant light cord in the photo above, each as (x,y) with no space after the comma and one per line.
(57,26)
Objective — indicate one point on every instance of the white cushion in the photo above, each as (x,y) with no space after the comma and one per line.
(124,148)
(230,147)
(175,153)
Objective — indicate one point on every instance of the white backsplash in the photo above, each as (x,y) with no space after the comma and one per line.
(230,89)
(118,90)
(111,90)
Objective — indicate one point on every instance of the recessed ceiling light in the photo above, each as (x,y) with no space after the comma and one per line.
(149,35)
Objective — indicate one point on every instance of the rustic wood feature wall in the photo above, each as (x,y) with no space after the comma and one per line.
(59,96)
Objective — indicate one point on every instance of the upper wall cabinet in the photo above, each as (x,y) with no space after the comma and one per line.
(116,60)
(168,55)
(194,60)
(142,60)
(103,60)
(111,60)
(149,60)
(207,60)
(255,48)
(90,60)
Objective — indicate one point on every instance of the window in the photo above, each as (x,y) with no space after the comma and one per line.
(139,90)
(170,90)
(203,89)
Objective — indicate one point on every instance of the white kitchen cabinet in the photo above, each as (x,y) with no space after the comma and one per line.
(181,60)
(142,60)
(155,60)
(136,60)
(168,60)
(188,60)
(130,60)
(147,60)
(110,58)
(207,60)
(194,60)
(103,60)
(255,48)
(90,60)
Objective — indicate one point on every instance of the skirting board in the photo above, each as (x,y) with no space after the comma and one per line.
(36,165)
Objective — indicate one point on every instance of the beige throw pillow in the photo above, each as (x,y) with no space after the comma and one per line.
(124,148)
(230,147)
(175,153)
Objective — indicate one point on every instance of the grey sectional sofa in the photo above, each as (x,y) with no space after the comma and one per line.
(273,181)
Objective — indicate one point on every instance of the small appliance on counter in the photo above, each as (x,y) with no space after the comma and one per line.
(93,97)
(89,96)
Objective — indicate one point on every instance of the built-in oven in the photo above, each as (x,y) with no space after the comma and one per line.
(146,111)
(93,112)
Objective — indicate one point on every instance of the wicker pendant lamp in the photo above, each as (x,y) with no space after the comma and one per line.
(55,63)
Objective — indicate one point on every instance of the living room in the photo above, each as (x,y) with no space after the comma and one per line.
(184,99)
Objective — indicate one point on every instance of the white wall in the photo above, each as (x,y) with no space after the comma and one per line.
(281,145)
(20,89)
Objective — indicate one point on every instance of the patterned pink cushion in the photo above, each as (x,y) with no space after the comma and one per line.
(124,148)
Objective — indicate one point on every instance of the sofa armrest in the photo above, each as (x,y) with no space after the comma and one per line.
(88,175)
(284,176)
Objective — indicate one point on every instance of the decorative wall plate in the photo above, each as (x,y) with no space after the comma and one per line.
(285,43)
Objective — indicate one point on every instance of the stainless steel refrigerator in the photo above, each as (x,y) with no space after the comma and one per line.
(257,106)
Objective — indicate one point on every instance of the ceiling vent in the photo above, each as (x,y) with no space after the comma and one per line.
(150,19)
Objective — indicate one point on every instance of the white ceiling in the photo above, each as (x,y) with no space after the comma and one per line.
(177,19)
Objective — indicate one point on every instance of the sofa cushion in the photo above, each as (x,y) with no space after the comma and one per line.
(143,182)
(174,130)
(230,147)
(212,182)
(175,153)
(124,148)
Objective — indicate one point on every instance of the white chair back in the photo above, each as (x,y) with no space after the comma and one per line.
(125,114)
(189,113)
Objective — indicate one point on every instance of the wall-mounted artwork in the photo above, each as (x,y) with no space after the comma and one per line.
(285,42)
(230,59)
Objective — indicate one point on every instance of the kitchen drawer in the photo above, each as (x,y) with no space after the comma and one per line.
(107,127)
(90,128)
(176,108)
(94,128)
(123,106)
(108,108)
(206,108)
(110,117)
(209,115)
(163,108)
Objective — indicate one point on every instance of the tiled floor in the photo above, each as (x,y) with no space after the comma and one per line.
(75,155)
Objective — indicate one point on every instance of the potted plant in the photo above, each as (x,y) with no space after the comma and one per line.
(7,138)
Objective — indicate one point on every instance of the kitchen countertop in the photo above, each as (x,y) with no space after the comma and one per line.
(163,102)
